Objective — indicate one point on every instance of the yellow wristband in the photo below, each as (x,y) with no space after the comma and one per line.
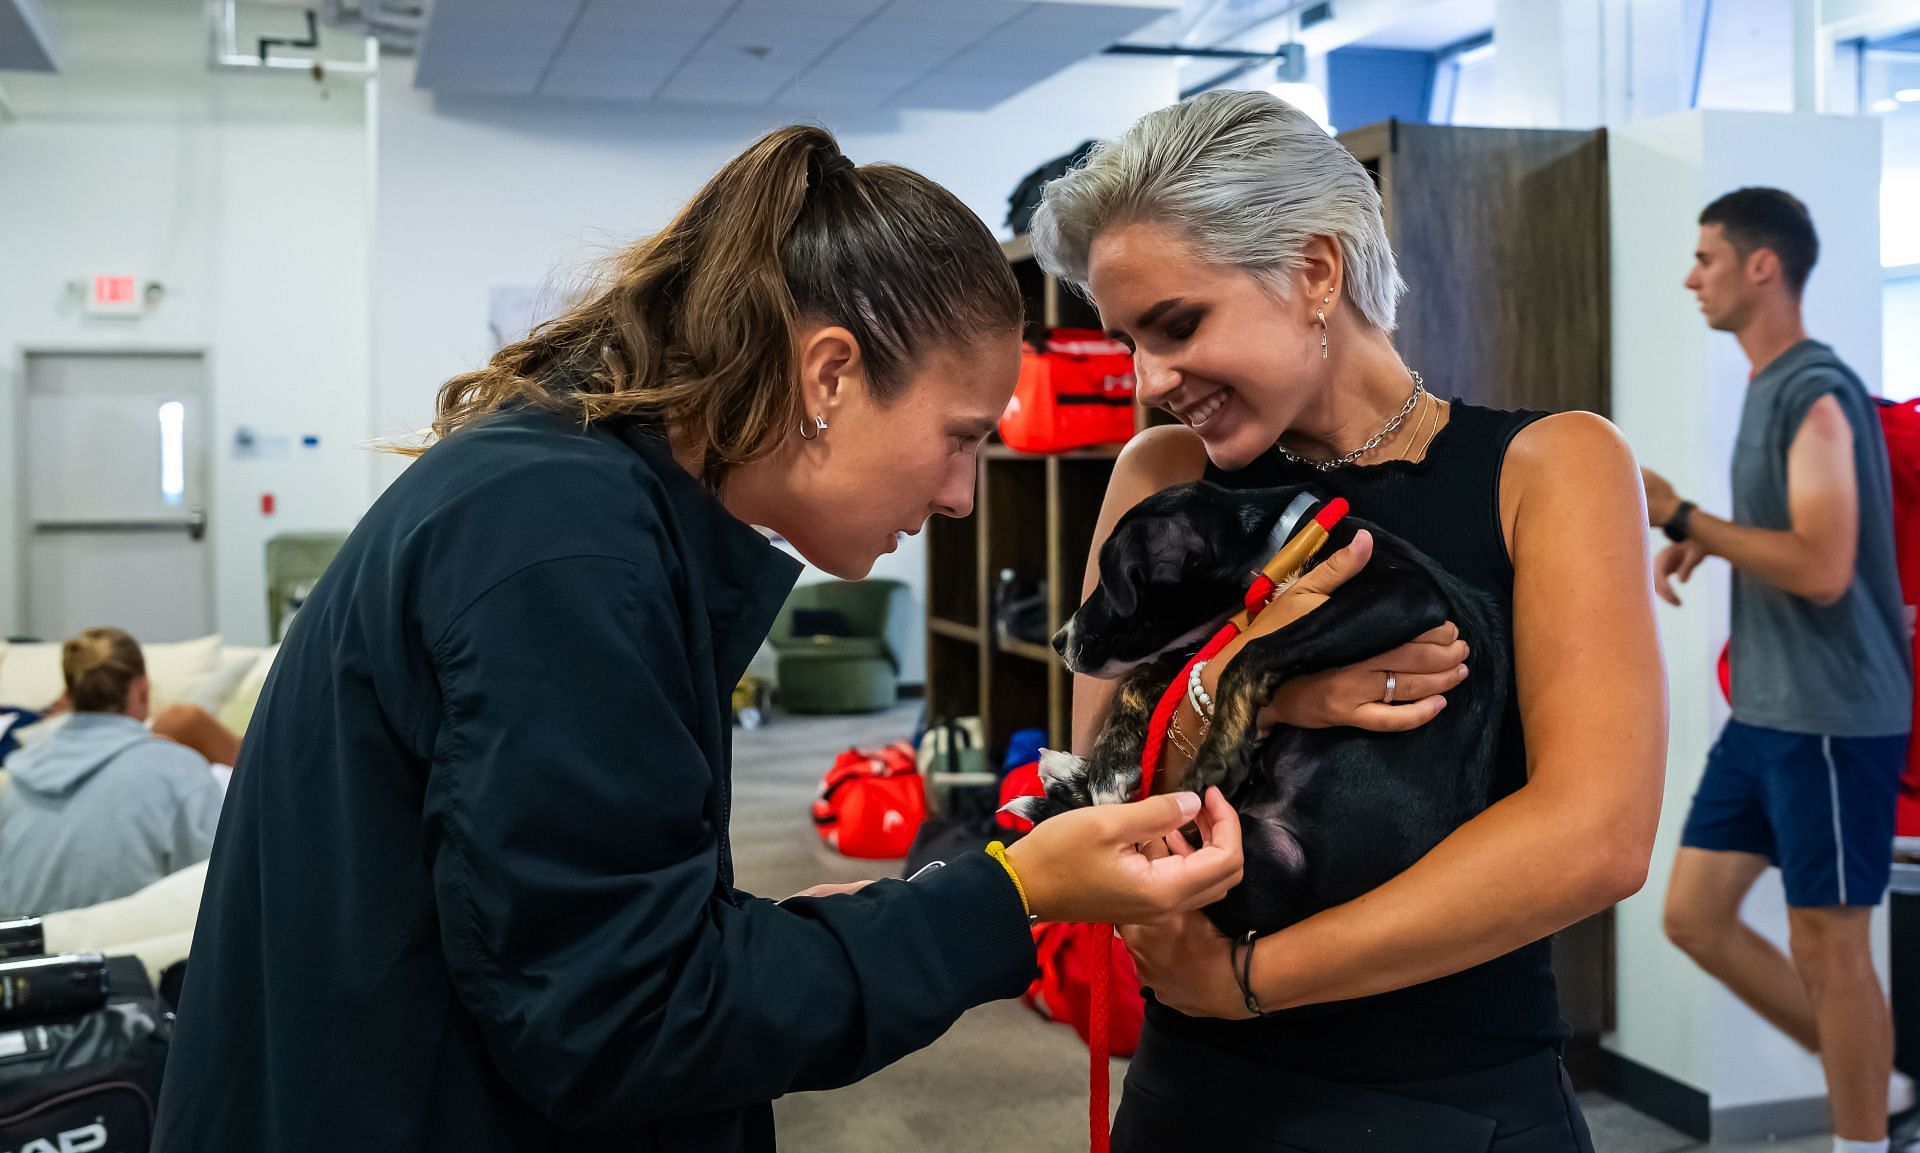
(998,852)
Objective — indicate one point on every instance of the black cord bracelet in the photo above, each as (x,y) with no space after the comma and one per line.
(1240,960)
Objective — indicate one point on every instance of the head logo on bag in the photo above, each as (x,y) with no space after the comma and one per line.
(85,1139)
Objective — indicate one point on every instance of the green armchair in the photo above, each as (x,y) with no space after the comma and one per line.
(846,656)
(295,562)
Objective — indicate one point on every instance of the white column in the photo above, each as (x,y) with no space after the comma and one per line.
(1811,51)
(1584,63)
(1548,67)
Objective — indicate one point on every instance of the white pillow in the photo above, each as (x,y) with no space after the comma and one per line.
(238,710)
(215,689)
(164,909)
(31,676)
(179,670)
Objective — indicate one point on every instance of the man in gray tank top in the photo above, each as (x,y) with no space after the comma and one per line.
(1806,774)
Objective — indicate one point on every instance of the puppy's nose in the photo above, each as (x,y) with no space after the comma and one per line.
(1063,638)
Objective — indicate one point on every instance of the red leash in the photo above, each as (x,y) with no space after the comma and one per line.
(1282,566)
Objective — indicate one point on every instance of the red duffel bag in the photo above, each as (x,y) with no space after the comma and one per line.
(1063,990)
(1023,781)
(871,802)
(1075,391)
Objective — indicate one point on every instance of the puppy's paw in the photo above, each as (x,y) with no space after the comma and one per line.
(1058,768)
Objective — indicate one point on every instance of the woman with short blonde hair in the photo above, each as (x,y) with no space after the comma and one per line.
(1241,252)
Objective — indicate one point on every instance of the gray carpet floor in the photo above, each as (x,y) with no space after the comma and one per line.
(1002,1078)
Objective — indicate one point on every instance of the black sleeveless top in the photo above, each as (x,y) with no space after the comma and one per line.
(1448,506)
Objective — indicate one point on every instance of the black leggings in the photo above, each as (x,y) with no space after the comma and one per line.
(1184,1095)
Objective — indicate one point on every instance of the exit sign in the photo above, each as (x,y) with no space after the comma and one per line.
(115,296)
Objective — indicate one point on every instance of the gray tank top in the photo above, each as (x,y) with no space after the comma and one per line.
(1841,670)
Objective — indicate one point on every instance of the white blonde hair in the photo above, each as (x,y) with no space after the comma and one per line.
(1247,178)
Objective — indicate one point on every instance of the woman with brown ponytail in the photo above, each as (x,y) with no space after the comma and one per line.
(480,895)
(102,807)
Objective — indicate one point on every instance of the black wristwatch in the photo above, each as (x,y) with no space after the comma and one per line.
(1676,526)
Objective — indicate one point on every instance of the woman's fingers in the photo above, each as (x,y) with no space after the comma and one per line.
(1337,569)
(1204,875)
(1215,812)
(1669,560)
(1422,657)
(1440,634)
(1381,718)
(1411,686)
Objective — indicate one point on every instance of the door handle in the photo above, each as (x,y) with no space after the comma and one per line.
(194,526)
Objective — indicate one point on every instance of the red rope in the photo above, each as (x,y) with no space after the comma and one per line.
(1097,1045)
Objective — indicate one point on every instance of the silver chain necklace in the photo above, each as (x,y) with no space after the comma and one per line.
(1373,442)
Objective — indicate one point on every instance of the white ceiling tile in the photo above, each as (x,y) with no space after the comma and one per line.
(902,53)
(494,46)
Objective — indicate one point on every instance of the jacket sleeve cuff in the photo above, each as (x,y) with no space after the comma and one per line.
(977,917)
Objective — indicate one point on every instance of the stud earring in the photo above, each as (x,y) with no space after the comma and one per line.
(819,424)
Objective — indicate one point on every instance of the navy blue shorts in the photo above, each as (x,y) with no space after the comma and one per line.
(1821,808)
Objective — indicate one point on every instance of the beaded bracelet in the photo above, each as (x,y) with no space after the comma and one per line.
(1197,694)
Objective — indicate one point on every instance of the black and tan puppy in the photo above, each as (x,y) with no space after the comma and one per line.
(1326,814)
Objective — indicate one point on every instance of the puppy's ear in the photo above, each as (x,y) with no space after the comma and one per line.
(1146,553)
(1034,809)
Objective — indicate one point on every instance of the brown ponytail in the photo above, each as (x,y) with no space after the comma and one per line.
(100,666)
(695,326)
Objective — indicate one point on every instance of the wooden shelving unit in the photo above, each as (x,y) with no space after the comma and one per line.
(1034,515)
(1501,235)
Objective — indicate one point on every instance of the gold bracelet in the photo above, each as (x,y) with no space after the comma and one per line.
(1179,741)
(998,851)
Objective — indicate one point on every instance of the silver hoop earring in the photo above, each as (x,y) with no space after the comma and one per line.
(1323,332)
(820,426)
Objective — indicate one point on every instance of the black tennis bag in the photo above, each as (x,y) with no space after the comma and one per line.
(86,1082)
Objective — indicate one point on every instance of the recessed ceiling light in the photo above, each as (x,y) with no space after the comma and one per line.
(1885,105)
(1908,96)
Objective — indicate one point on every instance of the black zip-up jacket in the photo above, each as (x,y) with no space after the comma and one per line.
(472,890)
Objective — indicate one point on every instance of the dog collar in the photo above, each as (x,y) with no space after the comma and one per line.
(1290,518)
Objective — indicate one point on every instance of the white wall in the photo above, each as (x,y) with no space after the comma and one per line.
(479,193)
(1677,393)
(247,196)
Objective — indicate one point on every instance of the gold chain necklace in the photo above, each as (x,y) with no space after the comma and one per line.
(1419,425)
(1373,442)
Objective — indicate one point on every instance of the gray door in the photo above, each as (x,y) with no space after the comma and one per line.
(115,478)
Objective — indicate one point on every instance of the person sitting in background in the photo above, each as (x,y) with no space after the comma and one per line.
(101,807)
